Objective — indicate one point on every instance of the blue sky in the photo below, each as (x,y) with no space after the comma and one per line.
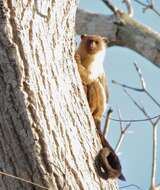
(136,150)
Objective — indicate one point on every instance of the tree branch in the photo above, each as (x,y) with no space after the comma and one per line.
(154,156)
(110,5)
(107,123)
(135,35)
(129,7)
(136,120)
(123,131)
(153,124)
(116,10)
(143,86)
(150,6)
(139,107)
(23,180)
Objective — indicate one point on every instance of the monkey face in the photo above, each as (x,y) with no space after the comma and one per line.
(93,43)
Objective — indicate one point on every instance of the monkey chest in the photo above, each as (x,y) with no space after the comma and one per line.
(95,69)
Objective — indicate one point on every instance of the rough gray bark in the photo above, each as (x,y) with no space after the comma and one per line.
(135,36)
(47,134)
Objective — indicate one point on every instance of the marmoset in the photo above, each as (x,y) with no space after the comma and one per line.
(89,57)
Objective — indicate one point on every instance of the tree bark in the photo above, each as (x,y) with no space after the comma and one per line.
(47,134)
(133,34)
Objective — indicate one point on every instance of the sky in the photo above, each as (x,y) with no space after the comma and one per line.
(136,150)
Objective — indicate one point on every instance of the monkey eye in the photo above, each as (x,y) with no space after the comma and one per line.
(90,41)
(96,42)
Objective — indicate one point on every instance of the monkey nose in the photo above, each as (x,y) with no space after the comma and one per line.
(91,44)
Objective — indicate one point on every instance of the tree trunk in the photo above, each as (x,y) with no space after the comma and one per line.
(133,34)
(47,134)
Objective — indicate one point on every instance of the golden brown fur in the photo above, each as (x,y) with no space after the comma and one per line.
(89,58)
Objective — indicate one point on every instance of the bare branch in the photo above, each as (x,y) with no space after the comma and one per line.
(150,6)
(122,132)
(137,120)
(116,10)
(153,124)
(131,185)
(126,86)
(24,180)
(143,84)
(140,2)
(139,107)
(154,157)
(129,7)
(157,120)
(152,98)
(138,90)
(120,118)
(154,148)
(111,6)
(107,123)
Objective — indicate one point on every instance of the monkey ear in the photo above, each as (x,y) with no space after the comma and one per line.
(106,40)
(83,36)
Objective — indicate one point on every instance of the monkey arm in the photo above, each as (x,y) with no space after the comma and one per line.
(103,81)
(85,75)
(96,99)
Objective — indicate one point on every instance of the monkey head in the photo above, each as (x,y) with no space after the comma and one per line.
(93,44)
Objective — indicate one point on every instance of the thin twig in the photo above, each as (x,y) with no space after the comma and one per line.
(135,120)
(126,86)
(111,6)
(107,123)
(120,118)
(154,156)
(139,107)
(138,90)
(143,85)
(116,10)
(157,120)
(24,180)
(148,6)
(131,185)
(152,98)
(153,123)
(129,7)
(154,149)
(122,132)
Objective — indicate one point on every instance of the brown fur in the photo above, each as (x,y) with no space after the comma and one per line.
(89,58)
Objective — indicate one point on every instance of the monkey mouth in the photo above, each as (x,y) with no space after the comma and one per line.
(91,50)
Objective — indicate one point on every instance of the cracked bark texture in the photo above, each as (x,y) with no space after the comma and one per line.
(135,35)
(47,134)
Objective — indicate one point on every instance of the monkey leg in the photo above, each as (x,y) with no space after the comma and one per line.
(97,101)
(92,97)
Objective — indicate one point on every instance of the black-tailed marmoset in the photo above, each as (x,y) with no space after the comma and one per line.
(89,57)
